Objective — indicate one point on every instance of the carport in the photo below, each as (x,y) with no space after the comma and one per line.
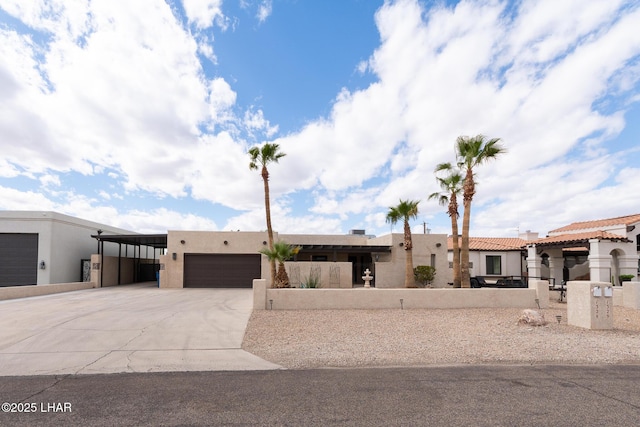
(145,267)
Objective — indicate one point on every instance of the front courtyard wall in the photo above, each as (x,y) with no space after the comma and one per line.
(326,281)
(376,298)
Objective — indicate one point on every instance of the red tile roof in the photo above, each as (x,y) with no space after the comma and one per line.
(600,224)
(580,237)
(491,243)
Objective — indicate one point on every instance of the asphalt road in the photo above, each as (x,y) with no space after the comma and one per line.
(434,396)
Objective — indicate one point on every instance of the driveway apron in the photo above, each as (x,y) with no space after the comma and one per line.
(130,328)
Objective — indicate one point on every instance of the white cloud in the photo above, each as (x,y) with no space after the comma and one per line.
(264,10)
(118,88)
(205,13)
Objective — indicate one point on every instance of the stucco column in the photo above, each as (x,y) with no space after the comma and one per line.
(599,262)
(556,265)
(534,263)
(629,264)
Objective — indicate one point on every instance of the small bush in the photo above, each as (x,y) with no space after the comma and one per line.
(424,275)
(627,277)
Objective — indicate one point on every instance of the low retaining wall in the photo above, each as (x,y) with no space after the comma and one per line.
(13,292)
(372,298)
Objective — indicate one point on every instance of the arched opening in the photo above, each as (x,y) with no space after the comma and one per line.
(615,266)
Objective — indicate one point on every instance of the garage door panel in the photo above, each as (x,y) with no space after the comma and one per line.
(221,270)
(18,259)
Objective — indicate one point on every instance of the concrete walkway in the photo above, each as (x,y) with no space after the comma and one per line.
(131,328)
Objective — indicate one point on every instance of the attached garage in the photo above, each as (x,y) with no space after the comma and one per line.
(18,259)
(221,270)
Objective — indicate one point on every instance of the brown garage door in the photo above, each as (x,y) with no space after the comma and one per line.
(18,259)
(221,270)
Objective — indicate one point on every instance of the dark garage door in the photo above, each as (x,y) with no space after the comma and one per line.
(221,270)
(18,259)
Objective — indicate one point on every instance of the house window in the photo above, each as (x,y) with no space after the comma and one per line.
(494,264)
(433,261)
(638,242)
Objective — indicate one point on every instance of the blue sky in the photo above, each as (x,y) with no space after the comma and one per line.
(140,114)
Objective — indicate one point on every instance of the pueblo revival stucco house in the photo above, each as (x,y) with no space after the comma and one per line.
(46,247)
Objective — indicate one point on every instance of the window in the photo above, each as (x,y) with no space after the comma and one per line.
(638,242)
(494,264)
(433,261)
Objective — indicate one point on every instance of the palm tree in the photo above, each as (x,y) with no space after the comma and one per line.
(472,152)
(281,252)
(406,210)
(262,156)
(451,184)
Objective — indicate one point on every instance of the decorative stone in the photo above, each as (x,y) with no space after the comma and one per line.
(532,318)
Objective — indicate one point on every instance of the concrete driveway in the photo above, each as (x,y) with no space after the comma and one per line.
(131,328)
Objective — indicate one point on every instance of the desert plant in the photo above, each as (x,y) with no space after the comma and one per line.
(451,184)
(311,282)
(424,274)
(406,210)
(261,157)
(470,153)
(627,277)
(281,252)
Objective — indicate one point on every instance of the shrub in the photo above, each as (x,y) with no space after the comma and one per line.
(424,275)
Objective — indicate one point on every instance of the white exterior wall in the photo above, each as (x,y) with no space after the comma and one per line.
(511,262)
(63,241)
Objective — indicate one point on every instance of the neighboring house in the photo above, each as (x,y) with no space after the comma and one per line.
(231,259)
(609,246)
(47,247)
(494,257)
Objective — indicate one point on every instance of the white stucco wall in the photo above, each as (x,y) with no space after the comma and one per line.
(63,241)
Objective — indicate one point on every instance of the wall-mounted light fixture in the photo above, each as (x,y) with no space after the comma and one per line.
(225,242)
(438,245)
(174,256)
(182,242)
(264,243)
(42,265)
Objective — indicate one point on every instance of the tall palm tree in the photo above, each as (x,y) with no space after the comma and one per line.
(406,210)
(281,252)
(451,184)
(262,156)
(472,152)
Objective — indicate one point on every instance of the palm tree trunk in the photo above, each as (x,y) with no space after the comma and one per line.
(267,209)
(282,278)
(465,281)
(456,253)
(409,278)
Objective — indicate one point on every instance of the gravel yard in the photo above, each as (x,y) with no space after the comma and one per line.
(355,338)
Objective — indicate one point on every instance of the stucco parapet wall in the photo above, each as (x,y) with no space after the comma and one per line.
(372,298)
(13,292)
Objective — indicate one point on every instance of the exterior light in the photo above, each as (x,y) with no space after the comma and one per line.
(174,256)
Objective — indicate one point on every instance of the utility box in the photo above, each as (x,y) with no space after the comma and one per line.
(590,304)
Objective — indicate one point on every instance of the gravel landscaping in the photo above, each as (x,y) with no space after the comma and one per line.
(358,338)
